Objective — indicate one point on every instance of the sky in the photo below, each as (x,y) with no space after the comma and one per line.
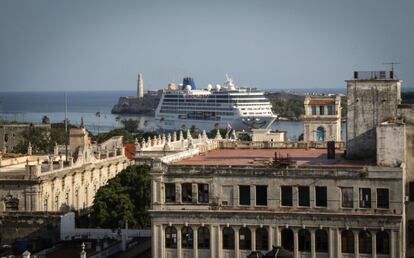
(56,45)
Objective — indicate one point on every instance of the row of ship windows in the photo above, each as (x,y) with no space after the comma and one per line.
(321,200)
(215,100)
(257,113)
(186,112)
(261,240)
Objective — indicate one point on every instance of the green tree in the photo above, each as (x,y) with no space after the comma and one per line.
(131,125)
(125,197)
(45,120)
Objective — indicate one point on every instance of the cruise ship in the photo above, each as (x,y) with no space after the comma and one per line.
(222,106)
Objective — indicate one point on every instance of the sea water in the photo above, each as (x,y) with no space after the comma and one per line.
(30,107)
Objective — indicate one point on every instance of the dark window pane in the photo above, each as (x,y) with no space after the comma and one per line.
(383,242)
(383,198)
(347,197)
(187,238)
(186,193)
(321,196)
(228,238)
(203,238)
(411,191)
(364,198)
(244,194)
(321,239)
(286,195)
(245,242)
(169,192)
(347,241)
(261,195)
(170,237)
(262,239)
(287,239)
(304,240)
(304,198)
(365,242)
(203,193)
(321,110)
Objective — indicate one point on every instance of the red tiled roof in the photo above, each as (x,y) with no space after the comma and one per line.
(130,150)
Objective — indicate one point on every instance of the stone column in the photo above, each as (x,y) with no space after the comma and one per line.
(179,249)
(356,243)
(374,244)
(219,241)
(392,241)
(338,243)
(331,243)
(278,240)
(195,241)
(213,242)
(295,243)
(271,237)
(313,243)
(155,249)
(162,241)
(154,192)
(253,230)
(236,242)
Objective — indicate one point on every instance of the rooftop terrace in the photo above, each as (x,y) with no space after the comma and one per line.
(264,157)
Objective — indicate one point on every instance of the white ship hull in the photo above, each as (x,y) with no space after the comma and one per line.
(238,123)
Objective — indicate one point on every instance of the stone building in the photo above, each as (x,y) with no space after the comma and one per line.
(267,135)
(234,199)
(372,98)
(30,183)
(12,134)
(226,199)
(322,118)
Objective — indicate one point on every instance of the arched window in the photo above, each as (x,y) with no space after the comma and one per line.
(228,238)
(304,240)
(203,238)
(320,134)
(383,243)
(347,241)
(245,242)
(262,239)
(287,239)
(170,237)
(187,238)
(365,242)
(321,238)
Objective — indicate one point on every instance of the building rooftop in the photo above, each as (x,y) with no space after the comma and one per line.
(263,157)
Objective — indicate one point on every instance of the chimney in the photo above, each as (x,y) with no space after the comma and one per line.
(140,86)
(331,149)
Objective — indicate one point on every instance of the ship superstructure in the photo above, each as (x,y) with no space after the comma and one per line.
(224,106)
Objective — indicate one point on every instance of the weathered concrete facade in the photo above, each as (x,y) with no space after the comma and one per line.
(371,101)
(267,135)
(322,118)
(208,203)
(50,183)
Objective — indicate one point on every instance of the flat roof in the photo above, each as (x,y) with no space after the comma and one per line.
(261,157)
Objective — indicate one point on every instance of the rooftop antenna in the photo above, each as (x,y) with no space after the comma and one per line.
(392,65)
(66,126)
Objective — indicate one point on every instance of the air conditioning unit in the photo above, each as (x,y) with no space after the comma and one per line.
(406,198)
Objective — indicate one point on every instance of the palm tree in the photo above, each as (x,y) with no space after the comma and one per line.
(98,116)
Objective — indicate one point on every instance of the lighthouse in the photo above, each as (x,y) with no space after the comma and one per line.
(140,86)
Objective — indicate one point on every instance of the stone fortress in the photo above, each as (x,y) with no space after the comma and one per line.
(34,183)
(226,198)
(144,104)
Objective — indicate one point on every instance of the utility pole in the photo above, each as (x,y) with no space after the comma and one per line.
(66,127)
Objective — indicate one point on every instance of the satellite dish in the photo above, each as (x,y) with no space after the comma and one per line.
(209,87)
(218,87)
